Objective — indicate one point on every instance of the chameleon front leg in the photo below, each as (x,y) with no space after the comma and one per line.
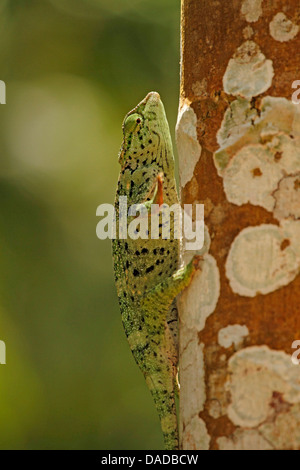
(160,376)
(163,294)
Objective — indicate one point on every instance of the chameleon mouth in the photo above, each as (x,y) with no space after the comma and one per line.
(150,101)
(148,106)
(152,96)
(152,105)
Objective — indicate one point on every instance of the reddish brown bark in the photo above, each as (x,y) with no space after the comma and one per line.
(212,31)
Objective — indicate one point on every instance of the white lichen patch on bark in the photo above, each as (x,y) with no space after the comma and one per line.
(262,384)
(201,298)
(259,155)
(248,32)
(261,259)
(286,151)
(282,29)
(214,408)
(275,123)
(238,120)
(291,232)
(251,10)
(192,365)
(284,431)
(248,73)
(232,335)
(217,400)
(195,304)
(196,436)
(189,149)
(244,439)
(287,198)
(252,176)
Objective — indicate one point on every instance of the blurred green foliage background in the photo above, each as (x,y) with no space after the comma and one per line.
(73,68)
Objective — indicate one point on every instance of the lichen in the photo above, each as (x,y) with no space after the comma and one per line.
(252,176)
(195,435)
(188,147)
(232,335)
(192,365)
(244,439)
(274,122)
(287,198)
(248,32)
(251,10)
(282,29)
(203,295)
(214,409)
(237,121)
(291,231)
(284,431)
(259,155)
(259,380)
(248,73)
(259,261)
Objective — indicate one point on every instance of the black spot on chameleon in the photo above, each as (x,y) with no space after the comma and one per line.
(148,270)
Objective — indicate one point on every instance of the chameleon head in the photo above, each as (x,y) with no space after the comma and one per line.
(145,130)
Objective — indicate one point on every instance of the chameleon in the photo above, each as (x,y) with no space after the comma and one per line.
(147,273)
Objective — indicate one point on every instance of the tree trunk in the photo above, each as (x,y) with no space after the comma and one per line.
(238,138)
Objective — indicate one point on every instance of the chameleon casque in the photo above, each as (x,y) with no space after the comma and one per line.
(146,270)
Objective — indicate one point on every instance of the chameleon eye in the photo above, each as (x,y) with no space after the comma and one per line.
(133,123)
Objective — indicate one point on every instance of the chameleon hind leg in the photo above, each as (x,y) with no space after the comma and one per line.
(160,375)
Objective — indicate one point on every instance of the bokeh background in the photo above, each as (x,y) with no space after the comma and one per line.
(73,68)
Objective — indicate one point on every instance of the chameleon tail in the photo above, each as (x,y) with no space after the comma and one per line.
(164,400)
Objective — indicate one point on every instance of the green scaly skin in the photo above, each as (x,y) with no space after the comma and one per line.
(146,271)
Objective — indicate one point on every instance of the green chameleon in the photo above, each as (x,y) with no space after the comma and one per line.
(146,270)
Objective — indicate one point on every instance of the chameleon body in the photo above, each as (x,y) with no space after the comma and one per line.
(146,270)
